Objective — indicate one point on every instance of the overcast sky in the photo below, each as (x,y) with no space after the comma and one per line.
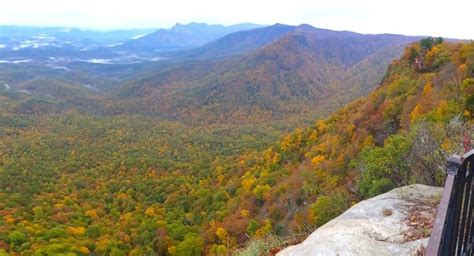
(453,18)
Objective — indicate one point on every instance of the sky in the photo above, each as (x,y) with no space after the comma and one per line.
(453,18)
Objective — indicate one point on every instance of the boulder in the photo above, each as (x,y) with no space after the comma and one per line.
(383,225)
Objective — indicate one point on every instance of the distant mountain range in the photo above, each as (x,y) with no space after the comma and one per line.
(235,43)
(269,72)
(280,70)
(59,46)
(181,37)
(20,37)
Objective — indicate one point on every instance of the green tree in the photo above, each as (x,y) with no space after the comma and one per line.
(383,167)
(192,245)
(252,227)
(17,238)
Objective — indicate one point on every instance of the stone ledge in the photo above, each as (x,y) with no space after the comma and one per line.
(377,226)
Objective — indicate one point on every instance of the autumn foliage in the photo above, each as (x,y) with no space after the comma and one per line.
(99,183)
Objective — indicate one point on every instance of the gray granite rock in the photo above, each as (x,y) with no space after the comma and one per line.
(377,226)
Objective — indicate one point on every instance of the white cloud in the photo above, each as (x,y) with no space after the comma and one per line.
(422,17)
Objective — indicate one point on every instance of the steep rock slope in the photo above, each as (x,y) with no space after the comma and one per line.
(377,226)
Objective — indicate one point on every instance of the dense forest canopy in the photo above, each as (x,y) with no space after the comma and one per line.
(82,174)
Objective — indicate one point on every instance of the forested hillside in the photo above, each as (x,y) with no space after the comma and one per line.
(304,73)
(115,182)
(400,134)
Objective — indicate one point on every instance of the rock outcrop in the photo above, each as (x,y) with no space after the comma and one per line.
(395,223)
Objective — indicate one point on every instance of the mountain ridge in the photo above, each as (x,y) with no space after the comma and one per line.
(182,36)
(303,66)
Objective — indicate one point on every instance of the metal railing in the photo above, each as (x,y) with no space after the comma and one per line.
(453,231)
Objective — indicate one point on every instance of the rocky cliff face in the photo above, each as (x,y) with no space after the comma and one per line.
(395,223)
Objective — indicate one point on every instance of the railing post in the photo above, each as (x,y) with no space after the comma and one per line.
(457,204)
(440,235)
(453,231)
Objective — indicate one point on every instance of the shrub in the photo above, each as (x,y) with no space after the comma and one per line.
(328,207)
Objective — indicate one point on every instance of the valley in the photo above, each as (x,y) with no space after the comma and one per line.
(224,136)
